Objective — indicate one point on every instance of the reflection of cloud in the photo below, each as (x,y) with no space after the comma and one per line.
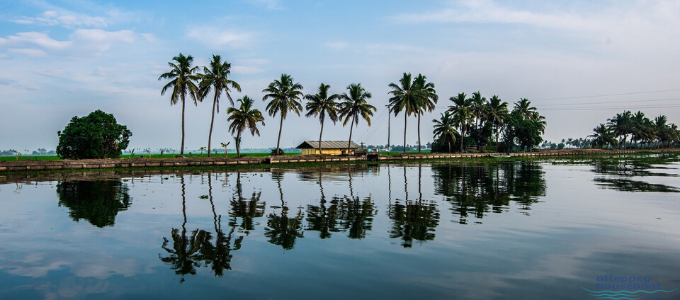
(66,19)
(80,42)
(217,38)
(92,265)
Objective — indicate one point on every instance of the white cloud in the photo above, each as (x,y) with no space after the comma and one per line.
(80,42)
(246,70)
(218,39)
(63,18)
(337,45)
(270,4)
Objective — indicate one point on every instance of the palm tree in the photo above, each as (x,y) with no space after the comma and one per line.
(478,107)
(427,98)
(355,106)
(404,98)
(321,104)
(497,113)
(603,135)
(242,118)
(661,128)
(182,81)
(526,110)
(462,114)
(217,78)
(285,96)
(444,128)
(621,126)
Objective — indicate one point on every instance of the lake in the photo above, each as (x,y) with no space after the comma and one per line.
(511,230)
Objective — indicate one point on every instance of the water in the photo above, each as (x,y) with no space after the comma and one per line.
(417,231)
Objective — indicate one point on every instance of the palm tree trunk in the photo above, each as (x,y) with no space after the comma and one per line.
(212,120)
(279,140)
(181,150)
(449,142)
(320,133)
(351,126)
(405,119)
(238,146)
(462,138)
(497,134)
(418,133)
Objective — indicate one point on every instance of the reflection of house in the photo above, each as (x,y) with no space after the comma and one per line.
(327,147)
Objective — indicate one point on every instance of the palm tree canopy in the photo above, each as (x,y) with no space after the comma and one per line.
(182,78)
(285,96)
(425,93)
(404,97)
(524,107)
(321,104)
(444,127)
(356,105)
(217,77)
(497,110)
(459,101)
(478,104)
(244,117)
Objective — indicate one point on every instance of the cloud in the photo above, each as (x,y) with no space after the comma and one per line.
(270,4)
(246,70)
(218,39)
(80,42)
(65,18)
(337,45)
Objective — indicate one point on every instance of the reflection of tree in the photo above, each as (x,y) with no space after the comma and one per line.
(479,189)
(413,220)
(98,202)
(219,256)
(320,218)
(354,216)
(283,230)
(616,174)
(245,208)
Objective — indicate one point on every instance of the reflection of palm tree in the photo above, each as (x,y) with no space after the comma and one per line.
(220,255)
(282,230)
(184,255)
(354,215)
(246,209)
(321,219)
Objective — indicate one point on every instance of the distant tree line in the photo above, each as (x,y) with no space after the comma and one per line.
(627,130)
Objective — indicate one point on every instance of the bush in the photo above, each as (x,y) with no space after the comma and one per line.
(96,135)
(274,152)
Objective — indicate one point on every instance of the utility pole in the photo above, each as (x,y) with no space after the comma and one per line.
(389,111)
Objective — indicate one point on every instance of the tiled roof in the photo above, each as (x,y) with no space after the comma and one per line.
(327,145)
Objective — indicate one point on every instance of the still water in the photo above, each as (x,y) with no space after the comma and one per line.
(517,230)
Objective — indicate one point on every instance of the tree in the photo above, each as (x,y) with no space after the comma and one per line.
(427,98)
(478,106)
(462,114)
(525,131)
(444,128)
(322,104)
(242,118)
(621,126)
(355,106)
(497,113)
(404,99)
(217,78)
(96,135)
(285,97)
(603,136)
(525,109)
(182,81)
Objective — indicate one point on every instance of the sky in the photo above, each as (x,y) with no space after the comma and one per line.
(579,62)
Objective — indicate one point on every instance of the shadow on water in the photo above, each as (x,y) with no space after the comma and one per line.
(477,189)
(98,202)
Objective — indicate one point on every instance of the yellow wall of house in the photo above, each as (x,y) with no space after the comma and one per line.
(325,151)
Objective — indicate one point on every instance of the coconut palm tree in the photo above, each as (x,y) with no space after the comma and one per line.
(404,98)
(478,107)
(322,104)
(242,118)
(217,78)
(526,110)
(355,105)
(427,98)
(285,97)
(497,113)
(462,114)
(621,126)
(444,128)
(183,80)
(603,135)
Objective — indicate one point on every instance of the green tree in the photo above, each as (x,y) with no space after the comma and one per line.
(602,136)
(497,113)
(217,78)
(525,109)
(285,97)
(462,115)
(355,105)
(96,135)
(242,118)
(321,104)
(444,129)
(404,98)
(183,80)
(427,99)
(621,126)
(478,105)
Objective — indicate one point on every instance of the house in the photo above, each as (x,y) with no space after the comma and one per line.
(327,147)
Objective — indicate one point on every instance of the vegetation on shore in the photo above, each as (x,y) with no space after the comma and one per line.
(643,132)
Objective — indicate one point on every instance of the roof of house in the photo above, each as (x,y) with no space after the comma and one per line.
(327,145)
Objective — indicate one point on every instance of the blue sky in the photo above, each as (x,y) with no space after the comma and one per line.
(64,58)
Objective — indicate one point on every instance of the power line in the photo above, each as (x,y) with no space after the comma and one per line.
(608,95)
(610,108)
(606,102)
